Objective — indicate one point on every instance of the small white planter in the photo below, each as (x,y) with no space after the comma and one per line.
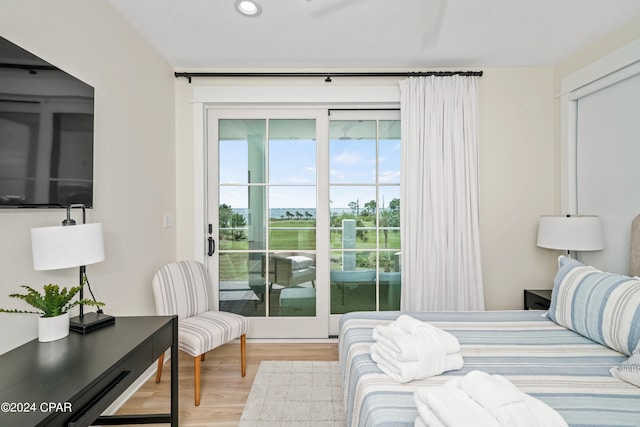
(53,328)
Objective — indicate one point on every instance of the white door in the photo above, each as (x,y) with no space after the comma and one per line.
(270,258)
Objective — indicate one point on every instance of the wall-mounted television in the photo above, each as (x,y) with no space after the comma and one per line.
(46,133)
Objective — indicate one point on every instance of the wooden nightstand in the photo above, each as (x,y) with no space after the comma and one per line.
(537,299)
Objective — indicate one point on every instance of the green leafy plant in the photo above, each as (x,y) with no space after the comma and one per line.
(53,302)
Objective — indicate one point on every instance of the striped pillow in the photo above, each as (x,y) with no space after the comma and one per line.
(604,307)
(629,370)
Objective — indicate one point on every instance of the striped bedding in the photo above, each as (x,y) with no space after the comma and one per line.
(558,366)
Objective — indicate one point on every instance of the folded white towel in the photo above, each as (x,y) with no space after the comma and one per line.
(489,391)
(451,407)
(408,349)
(419,423)
(510,406)
(403,343)
(407,323)
(501,404)
(427,366)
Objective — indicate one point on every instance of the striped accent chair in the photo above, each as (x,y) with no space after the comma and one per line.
(183,289)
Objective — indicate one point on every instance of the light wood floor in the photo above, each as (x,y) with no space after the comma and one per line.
(224,391)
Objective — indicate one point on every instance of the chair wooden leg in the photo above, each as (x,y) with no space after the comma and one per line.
(159,371)
(243,354)
(196,378)
(202,357)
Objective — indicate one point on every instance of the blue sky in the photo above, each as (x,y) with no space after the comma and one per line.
(292,171)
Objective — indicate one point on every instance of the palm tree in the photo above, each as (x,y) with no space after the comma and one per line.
(355,207)
(370,207)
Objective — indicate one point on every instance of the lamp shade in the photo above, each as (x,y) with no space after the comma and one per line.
(67,246)
(571,233)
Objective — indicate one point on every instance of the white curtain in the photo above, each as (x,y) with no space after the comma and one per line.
(441,266)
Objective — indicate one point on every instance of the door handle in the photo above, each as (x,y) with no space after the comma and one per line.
(212,246)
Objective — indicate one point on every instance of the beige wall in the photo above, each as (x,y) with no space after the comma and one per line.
(614,40)
(516,182)
(134,168)
(140,174)
(516,173)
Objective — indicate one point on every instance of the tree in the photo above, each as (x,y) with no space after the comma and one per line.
(228,221)
(224,216)
(389,218)
(238,221)
(394,204)
(355,207)
(370,207)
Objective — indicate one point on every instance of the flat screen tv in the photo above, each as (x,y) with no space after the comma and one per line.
(46,133)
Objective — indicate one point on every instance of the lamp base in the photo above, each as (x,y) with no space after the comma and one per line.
(90,322)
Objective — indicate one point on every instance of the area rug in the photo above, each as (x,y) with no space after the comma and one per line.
(301,394)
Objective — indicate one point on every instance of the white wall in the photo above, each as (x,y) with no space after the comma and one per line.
(134,170)
(608,135)
(516,172)
(618,211)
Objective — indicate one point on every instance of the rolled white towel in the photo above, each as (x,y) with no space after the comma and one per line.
(451,407)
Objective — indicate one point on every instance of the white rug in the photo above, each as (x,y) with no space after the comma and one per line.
(301,394)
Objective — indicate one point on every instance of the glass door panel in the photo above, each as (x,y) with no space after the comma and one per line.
(266,200)
(364,186)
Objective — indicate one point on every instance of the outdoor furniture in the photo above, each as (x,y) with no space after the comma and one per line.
(343,278)
(298,301)
(290,269)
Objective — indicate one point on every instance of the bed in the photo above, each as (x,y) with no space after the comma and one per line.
(564,363)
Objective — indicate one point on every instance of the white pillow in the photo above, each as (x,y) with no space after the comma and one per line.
(629,370)
(299,262)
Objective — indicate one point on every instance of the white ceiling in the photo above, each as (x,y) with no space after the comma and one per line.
(373,34)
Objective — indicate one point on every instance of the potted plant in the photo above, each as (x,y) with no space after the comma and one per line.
(53,306)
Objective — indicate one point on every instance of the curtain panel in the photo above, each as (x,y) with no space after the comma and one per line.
(441,264)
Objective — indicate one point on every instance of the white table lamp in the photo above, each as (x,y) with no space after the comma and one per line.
(68,246)
(570,233)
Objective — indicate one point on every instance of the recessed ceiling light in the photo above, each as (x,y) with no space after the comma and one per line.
(248,7)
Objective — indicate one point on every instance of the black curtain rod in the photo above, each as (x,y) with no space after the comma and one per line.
(329,75)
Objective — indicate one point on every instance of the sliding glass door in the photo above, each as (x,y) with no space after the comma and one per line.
(303,216)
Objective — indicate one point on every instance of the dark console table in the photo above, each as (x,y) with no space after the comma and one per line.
(70,382)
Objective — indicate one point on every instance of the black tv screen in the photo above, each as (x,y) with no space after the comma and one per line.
(46,133)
